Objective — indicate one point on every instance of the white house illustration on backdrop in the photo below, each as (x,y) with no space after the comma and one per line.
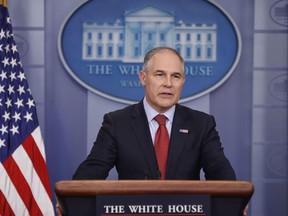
(128,39)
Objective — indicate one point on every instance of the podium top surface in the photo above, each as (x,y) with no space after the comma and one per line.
(97,187)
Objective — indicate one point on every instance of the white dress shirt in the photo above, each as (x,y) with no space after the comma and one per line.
(153,125)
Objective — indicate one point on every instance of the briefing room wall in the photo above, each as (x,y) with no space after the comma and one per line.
(269,126)
(231,102)
(70,116)
(66,116)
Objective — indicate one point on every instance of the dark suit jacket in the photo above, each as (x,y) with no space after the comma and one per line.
(124,140)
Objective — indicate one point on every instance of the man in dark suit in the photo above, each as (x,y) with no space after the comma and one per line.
(126,137)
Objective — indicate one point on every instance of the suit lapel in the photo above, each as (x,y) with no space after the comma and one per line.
(179,134)
(141,130)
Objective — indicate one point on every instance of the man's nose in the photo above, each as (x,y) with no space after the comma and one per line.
(168,81)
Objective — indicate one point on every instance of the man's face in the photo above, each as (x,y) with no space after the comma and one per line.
(163,81)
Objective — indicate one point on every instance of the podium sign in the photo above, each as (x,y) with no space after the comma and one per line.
(156,205)
(153,197)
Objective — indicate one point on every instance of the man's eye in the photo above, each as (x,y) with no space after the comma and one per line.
(177,76)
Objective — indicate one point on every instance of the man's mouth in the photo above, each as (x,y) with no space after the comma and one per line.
(165,93)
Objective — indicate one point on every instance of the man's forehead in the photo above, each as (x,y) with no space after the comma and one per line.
(167,71)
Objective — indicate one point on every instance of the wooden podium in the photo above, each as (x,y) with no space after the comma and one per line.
(152,197)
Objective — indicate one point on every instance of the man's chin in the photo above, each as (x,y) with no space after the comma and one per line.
(165,105)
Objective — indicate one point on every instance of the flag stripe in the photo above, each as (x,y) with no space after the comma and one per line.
(21,184)
(37,159)
(6,209)
(10,193)
(39,141)
(28,169)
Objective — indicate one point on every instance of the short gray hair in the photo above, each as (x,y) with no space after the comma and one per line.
(155,50)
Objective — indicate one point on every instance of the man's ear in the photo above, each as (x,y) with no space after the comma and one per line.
(142,77)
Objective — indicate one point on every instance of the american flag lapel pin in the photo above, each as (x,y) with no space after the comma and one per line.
(186,131)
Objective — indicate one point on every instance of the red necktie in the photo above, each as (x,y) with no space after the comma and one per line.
(161,144)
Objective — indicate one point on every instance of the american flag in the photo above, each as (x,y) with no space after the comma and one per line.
(24,181)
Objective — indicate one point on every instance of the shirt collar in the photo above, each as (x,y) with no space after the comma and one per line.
(151,113)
